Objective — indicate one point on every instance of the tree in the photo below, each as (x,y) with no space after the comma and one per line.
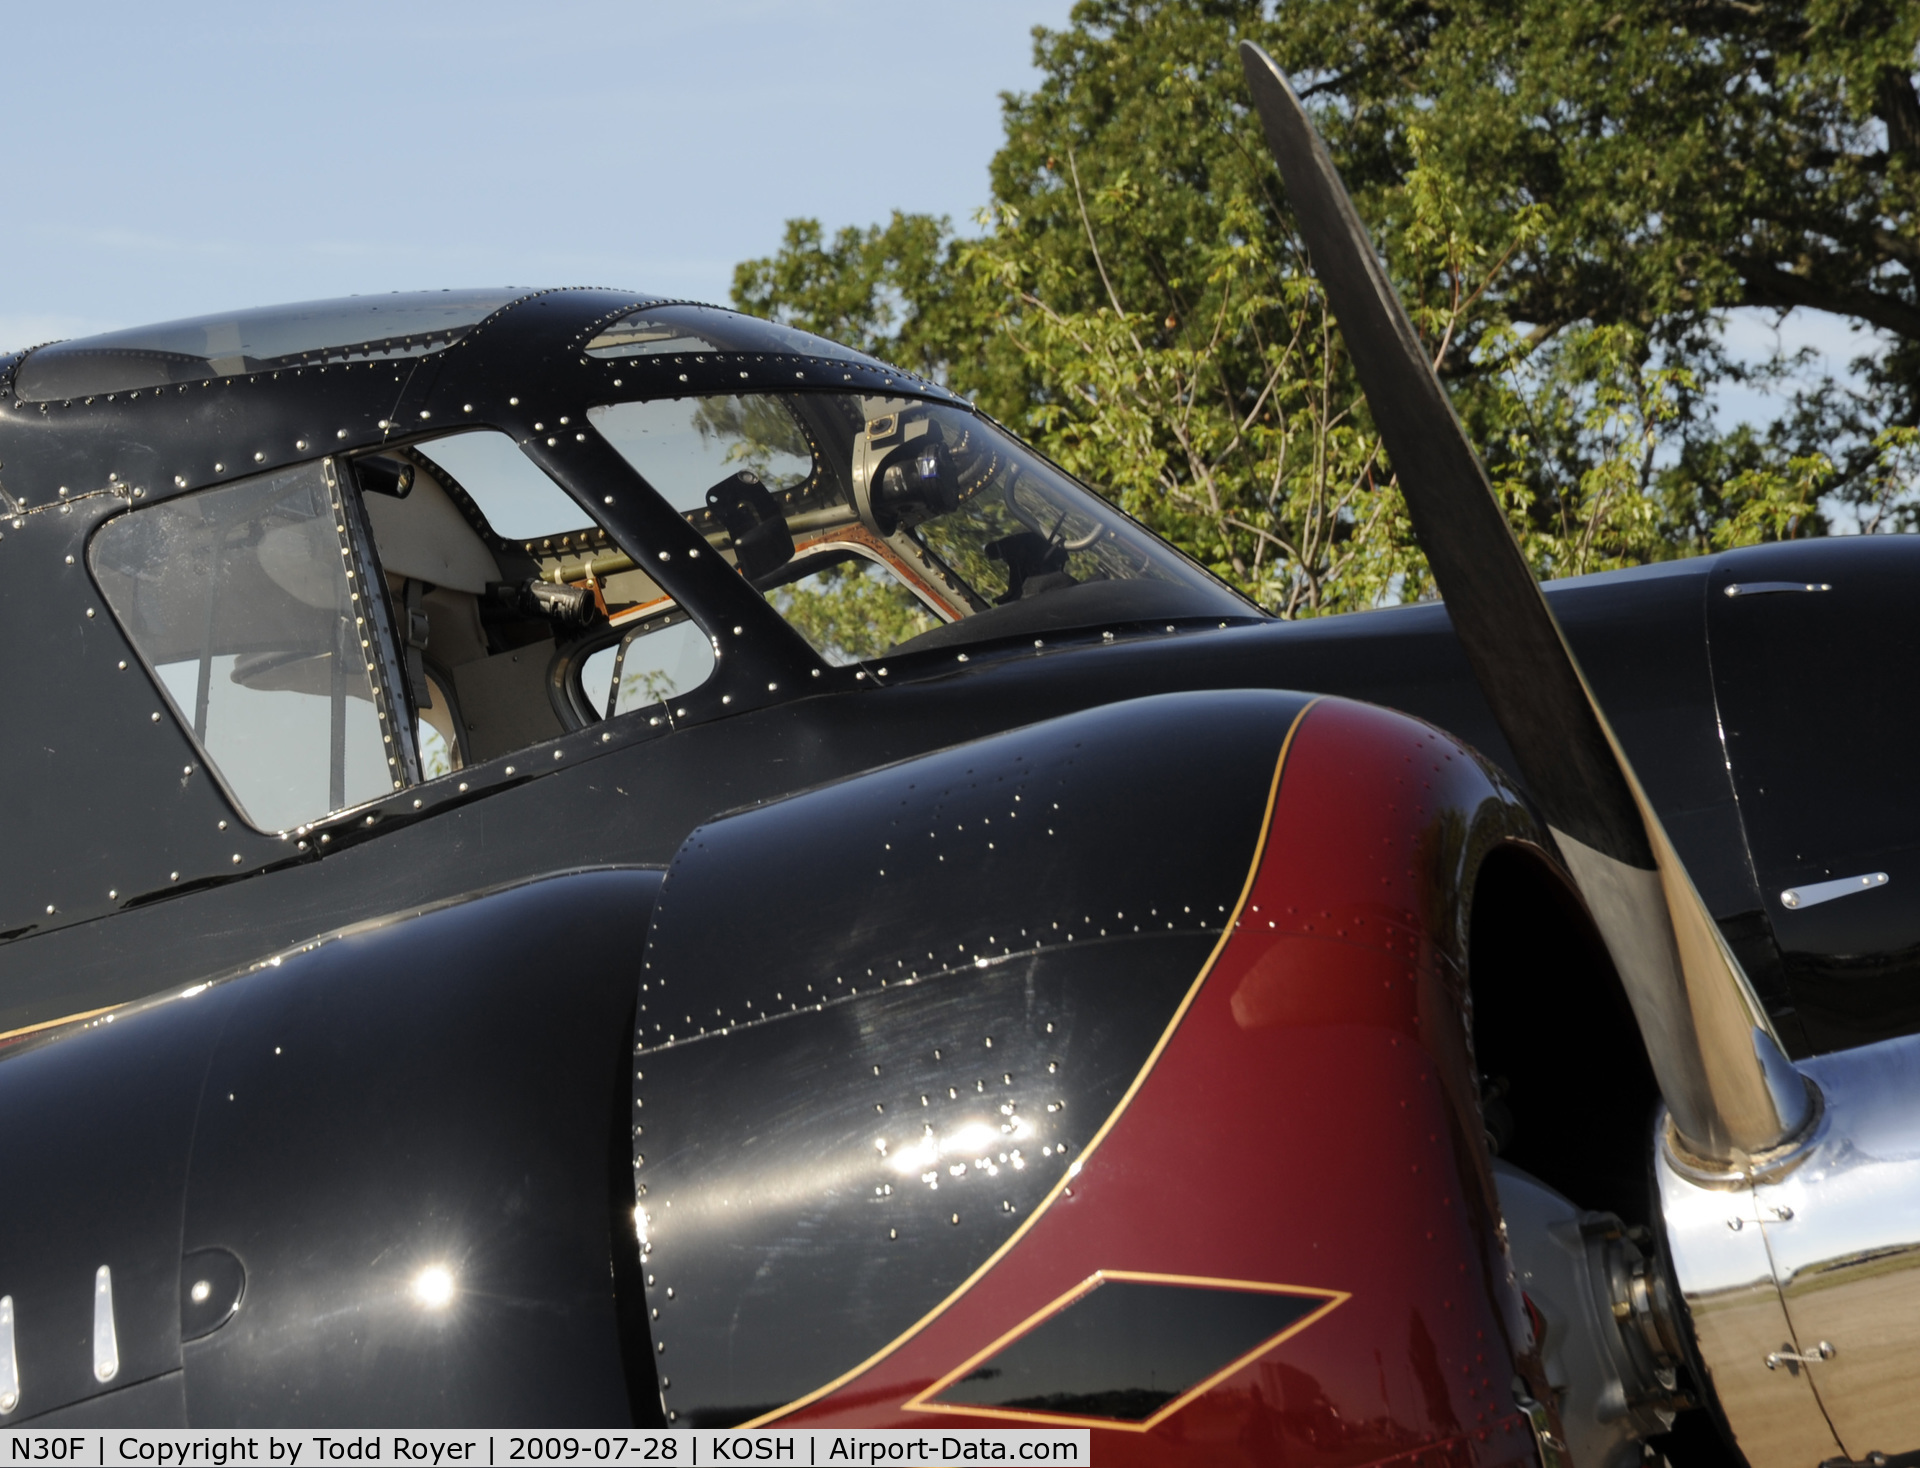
(1570,195)
(888,289)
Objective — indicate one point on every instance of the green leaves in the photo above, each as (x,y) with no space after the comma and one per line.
(1570,195)
(892,289)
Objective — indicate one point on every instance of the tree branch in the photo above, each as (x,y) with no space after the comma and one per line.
(1768,285)
(1896,105)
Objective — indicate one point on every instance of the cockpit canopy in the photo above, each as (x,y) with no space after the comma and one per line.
(441,528)
(267,339)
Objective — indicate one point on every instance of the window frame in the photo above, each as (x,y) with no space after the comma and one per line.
(384,643)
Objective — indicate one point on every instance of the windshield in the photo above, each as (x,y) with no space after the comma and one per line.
(882,525)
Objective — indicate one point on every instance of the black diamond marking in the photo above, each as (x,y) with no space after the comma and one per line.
(1125,1349)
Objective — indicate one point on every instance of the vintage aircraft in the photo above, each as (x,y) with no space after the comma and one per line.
(577,858)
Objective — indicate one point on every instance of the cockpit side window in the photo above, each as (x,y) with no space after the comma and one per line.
(517,500)
(250,606)
(655,663)
(339,630)
(525,641)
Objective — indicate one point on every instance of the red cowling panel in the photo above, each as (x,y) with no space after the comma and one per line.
(1310,1122)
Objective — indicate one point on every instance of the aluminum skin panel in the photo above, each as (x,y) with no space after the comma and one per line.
(1818,697)
(443,1090)
(471,1065)
(96,1165)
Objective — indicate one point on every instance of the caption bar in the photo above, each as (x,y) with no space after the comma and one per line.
(679,1447)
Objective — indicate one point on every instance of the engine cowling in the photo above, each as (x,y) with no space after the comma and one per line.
(1171,1131)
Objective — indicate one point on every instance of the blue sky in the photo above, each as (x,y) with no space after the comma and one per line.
(172,157)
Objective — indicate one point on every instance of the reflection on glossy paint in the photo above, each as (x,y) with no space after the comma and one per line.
(990,1146)
(973,1140)
(433,1287)
(9,1361)
(106,1340)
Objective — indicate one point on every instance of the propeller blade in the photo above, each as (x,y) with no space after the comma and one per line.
(1728,1086)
